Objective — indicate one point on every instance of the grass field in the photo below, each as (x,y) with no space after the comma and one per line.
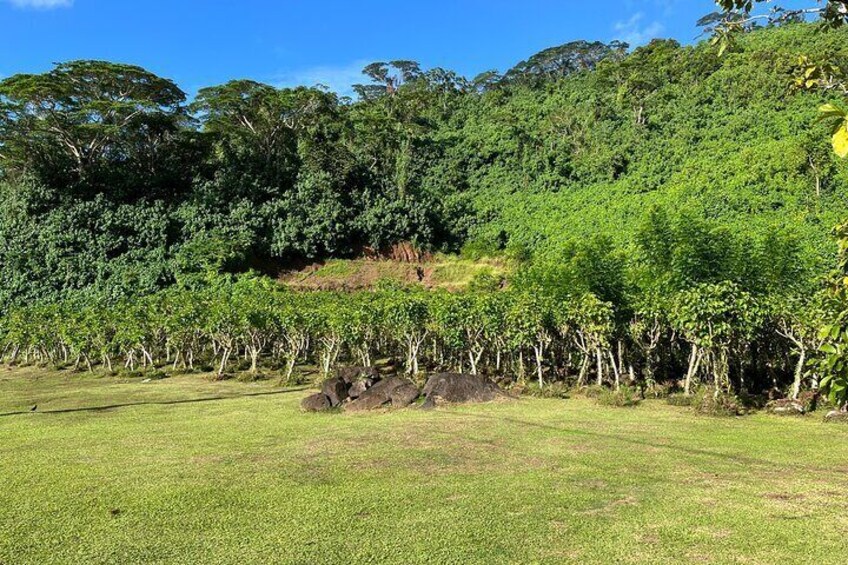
(185,470)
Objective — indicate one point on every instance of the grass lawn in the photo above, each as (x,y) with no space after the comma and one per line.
(185,470)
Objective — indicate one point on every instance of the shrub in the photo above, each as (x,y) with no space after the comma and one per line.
(552,390)
(809,399)
(657,391)
(485,281)
(716,403)
(214,376)
(622,398)
(242,365)
(250,377)
(480,248)
(753,401)
(679,399)
(156,375)
(592,391)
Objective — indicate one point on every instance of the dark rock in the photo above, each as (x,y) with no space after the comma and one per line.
(353,374)
(457,388)
(379,394)
(335,390)
(404,395)
(786,407)
(315,403)
(359,387)
(836,416)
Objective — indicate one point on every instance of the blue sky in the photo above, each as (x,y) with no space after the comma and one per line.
(286,42)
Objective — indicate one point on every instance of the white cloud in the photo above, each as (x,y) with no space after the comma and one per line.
(339,79)
(636,32)
(42,4)
(665,7)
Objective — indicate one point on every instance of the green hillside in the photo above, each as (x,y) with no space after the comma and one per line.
(725,140)
(531,163)
(655,215)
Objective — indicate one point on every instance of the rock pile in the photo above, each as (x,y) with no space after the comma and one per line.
(836,416)
(806,402)
(358,389)
(786,407)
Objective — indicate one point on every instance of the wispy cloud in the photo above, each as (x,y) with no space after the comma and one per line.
(41,4)
(663,7)
(636,31)
(339,79)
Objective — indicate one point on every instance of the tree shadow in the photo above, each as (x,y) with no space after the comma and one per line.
(742,460)
(154,403)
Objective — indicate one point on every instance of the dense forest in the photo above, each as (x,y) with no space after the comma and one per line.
(671,209)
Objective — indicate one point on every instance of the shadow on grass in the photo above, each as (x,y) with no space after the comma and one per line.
(743,460)
(153,403)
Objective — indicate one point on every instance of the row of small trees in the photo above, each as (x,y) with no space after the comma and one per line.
(712,332)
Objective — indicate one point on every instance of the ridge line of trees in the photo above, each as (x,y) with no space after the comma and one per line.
(713,334)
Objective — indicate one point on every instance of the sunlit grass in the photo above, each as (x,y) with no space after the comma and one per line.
(242,476)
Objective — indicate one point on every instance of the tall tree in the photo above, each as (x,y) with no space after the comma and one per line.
(83,116)
(560,61)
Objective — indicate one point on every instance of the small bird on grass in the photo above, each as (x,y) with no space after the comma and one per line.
(34,408)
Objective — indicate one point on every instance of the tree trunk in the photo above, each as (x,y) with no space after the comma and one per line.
(600,358)
(287,375)
(694,360)
(539,349)
(616,372)
(521,366)
(584,368)
(799,373)
(225,356)
(254,360)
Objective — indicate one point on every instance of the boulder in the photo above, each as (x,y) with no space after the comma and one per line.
(836,416)
(315,403)
(380,394)
(335,390)
(786,407)
(404,395)
(458,388)
(359,387)
(353,374)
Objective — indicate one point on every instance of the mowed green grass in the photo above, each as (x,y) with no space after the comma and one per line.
(113,471)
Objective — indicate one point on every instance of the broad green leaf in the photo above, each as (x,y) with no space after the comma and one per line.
(831,111)
(840,140)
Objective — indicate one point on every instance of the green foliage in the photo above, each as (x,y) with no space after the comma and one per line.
(694,168)
(680,399)
(668,207)
(833,363)
(552,390)
(625,397)
(713,402)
